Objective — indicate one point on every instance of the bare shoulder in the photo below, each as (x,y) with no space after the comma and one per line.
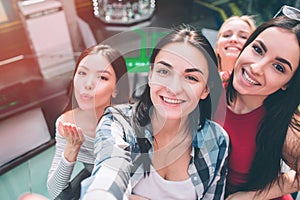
(67,117)
(291,148)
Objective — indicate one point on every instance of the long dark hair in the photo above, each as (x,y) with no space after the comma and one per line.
(280,109)
(205,108)
(119,66)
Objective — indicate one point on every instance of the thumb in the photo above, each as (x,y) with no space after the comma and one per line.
(61,128)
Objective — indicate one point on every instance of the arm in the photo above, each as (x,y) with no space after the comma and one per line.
(288,182)
(62,166)
(113,163)
(216,190)
(288,185)
(291,147)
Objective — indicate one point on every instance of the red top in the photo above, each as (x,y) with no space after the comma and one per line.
(242,129)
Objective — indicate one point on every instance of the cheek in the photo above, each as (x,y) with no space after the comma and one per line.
(156,80)
(76,90)
(276,85)
(243,40)
(157,83)
(235,79)
(77,82)
(103,95)
(221,42)
(195,94)
(104,89)
(154,88)
(199,94)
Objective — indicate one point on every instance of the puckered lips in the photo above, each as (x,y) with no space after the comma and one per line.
(86,97)
(249,78)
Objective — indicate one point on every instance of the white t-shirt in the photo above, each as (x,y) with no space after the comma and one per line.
(155,187)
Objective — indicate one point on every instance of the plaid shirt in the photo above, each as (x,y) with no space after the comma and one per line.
(116,171)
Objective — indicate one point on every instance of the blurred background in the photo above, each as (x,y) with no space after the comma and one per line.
(40,41)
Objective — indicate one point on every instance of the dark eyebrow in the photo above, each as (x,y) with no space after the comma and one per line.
(165,63)
(193,70)
(284,61)
(99,71)
(262,45)
(186,70)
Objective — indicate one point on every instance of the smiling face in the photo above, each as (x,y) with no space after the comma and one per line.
(178,80)
(233,36)
(267,64)
(94,82)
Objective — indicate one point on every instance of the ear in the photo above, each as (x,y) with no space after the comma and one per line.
(285,87)
(205,93)
(115,93)
(150,75)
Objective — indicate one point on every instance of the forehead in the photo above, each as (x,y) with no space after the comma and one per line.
(182,56)
(96,62)
(281,43)
(236,25)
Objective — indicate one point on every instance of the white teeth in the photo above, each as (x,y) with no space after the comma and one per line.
(232,48)
(249,79)
(172,101)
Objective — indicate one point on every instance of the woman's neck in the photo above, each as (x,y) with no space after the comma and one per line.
(246,103)
(172,143)
(87,119)
(91,115)
(168,128)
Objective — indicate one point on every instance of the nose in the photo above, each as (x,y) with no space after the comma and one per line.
(175,86)
(257,68)
(233,38)
(89,83)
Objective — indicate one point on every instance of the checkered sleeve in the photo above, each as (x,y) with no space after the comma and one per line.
(111,174)
(216,190)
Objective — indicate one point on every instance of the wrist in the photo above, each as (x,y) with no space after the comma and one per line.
(71,153)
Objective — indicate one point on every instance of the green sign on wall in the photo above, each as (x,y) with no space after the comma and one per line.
(141,62)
